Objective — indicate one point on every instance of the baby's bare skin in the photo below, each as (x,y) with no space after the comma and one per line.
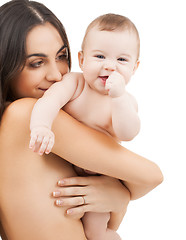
(86,105)
(98,98)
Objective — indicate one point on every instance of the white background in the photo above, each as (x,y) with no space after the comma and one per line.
(159,86)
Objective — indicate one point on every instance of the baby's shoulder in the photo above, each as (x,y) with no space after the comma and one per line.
(74,76)
(80,84)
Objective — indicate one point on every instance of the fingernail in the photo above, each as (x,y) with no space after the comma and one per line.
(59,202)
(56,194)
(61,182)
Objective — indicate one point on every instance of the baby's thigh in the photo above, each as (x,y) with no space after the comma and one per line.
(93,221)
(27,207)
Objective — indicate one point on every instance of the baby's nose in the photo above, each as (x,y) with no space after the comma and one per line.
(110,65)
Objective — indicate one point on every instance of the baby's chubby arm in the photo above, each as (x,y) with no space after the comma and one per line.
(46,109)
(125,119)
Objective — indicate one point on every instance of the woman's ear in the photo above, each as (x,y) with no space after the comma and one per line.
(136,66)
(81,59)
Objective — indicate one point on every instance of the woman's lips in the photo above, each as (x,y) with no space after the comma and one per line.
(43,89)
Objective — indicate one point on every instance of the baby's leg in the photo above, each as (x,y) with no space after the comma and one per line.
(95,227)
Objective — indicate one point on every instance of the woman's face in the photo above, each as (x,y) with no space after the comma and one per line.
(46,62)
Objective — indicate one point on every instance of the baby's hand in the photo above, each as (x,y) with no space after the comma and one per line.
(115,85)
(42,140)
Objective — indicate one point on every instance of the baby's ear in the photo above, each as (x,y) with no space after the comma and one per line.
(136,66)
(81,59)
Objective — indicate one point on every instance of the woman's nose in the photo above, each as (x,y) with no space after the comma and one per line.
(54,74)
(110,65)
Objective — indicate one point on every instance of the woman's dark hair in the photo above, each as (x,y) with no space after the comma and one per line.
(17,18)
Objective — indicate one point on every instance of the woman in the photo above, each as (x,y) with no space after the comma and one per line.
(34,53)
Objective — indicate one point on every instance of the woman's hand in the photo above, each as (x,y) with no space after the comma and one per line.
(91,193)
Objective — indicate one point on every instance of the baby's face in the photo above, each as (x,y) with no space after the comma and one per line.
(108,51)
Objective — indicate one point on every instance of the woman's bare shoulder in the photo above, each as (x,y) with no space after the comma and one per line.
(16,117)
(21,106)
(18,111)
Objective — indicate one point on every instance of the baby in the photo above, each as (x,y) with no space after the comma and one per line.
(97,96)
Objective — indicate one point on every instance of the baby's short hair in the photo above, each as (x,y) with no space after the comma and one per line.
(112,22)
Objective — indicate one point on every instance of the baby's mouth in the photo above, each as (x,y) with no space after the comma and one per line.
(104,79)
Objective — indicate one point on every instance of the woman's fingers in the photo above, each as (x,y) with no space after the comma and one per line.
(70,191)
(79,210)
(73,201)
(72,181)
(78,205)
(93,193)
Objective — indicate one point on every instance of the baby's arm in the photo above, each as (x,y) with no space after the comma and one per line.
(125,119)
(46,109)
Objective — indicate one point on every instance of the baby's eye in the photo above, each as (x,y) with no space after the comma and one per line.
(100,56)
(122,59)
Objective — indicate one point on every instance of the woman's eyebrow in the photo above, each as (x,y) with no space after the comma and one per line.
(64,46)
(44,55)
(36,55)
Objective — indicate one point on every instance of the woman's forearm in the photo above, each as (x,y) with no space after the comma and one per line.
(93,150)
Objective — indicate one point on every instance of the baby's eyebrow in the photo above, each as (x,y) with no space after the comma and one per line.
(44,55)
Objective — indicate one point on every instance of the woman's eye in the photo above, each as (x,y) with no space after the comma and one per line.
(100,56)
(62,56)
(36,64)
(122,59)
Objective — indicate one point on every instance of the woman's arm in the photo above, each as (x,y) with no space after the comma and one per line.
(66,129)
(97,152)
(93,150)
